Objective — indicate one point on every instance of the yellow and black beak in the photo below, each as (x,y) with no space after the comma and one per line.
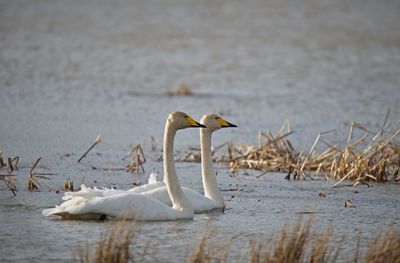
(194,123)
(224,123)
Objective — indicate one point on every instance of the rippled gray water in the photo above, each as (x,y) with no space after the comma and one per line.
(72,69)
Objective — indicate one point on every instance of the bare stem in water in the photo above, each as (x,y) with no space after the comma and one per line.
(97,141)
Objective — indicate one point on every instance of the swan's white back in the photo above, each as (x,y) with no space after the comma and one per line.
(131,205)
(213,198)
(120,205)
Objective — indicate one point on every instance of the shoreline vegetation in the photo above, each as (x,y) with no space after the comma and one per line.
(369,157)
(297,244)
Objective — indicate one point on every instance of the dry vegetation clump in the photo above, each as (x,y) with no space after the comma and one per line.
(385,247)
(297,244)
(9,181)
(371,157)
(68,186)
(10,165)
(183,90)
(300,244)
(33,177)
(137,159)
(270,154)
(208,251)
(113,247)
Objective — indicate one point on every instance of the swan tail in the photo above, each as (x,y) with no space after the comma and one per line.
(72,206)
(57,210)
(50,211)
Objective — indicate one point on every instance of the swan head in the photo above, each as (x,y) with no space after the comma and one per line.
(215,122)
(181,120)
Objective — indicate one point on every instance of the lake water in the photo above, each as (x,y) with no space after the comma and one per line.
(72,69)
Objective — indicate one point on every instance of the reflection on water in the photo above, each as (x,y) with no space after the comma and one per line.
(72,69)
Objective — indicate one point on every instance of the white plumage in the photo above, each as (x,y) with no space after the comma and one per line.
(96,203)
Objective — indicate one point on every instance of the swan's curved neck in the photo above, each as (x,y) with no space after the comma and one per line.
(210,184)
(179,200)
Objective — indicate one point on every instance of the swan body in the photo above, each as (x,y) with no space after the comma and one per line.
(212,199)
(119,205)
(156,190)
(132,205)
(87,193)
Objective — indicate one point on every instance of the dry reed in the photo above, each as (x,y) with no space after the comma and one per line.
(68,185)
(183,90)
(33,177)
(371,157)
(137,159)
(297,244)
(113,247)
(385,248)
(301,244)
(8,180)
(208,251)
(96,141)
(11,164)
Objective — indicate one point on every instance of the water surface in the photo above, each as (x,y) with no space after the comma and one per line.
(72,69)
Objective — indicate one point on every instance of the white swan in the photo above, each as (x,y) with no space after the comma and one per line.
(210,185)
(212,199)
(138,206)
